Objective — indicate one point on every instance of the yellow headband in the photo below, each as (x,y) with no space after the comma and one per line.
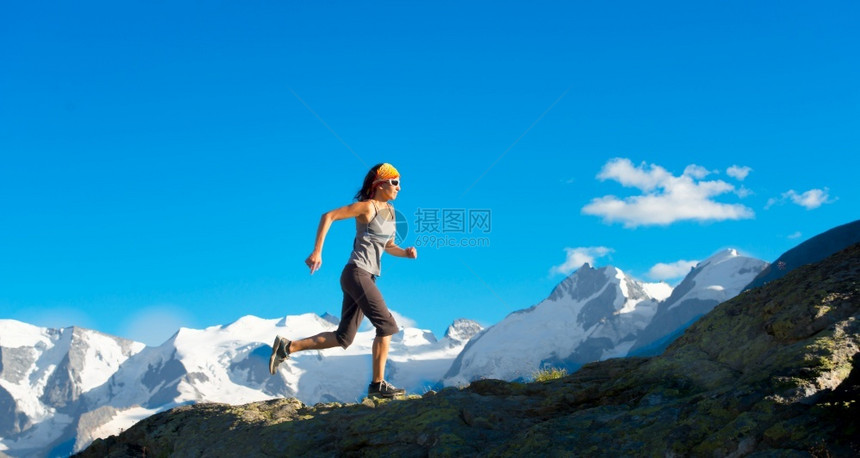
(386,172)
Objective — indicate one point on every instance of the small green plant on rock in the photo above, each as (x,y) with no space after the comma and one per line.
(548,373)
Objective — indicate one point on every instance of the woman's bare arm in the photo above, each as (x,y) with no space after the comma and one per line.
(394,250)
(354,210)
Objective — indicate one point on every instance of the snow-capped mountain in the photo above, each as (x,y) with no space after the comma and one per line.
(44,376)
(596,314)
(714,280)
(461,330)
(593,314)
(60,389)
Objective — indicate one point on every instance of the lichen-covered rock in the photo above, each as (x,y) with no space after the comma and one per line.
(772,372)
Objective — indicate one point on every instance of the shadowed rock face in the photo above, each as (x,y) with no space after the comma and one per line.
(584,283)
(14,363)
(598,308)
(252,369)
(590,350)
(11,421)
(64,385)
(771,372)
(654,339)
(812,250)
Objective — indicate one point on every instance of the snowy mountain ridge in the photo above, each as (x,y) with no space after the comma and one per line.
(714,280)
(62,388)
(597,314)
(591,312)
(44,377)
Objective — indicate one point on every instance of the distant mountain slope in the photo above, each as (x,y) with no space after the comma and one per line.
(596,314)
(593,314)
(812,250)
(714,280)
(772,372)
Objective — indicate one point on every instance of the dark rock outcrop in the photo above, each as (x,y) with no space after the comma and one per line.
(812,250)
(772,372)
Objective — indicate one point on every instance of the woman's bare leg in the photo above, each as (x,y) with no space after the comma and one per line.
(320,341)
(380,356)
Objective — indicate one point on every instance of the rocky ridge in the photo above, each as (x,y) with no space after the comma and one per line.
(770,372)
(813,250)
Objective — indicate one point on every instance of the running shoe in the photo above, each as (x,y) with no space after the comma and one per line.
(383,389)
(280,353)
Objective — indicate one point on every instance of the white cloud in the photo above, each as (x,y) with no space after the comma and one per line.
(154,325)
(809,200)
(677,269)
(796,235)
(696,171)
(666,198)
(623,171)
(743,192)
(813,198)
(740,173)
(576,257)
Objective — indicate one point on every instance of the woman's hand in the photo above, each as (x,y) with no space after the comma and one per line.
(395,250)
(314,261)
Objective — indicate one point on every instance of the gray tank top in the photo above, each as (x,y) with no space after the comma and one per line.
(371,238)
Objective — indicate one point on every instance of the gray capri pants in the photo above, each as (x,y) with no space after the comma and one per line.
(362,298)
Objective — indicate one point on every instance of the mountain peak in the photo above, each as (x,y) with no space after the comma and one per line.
(246,321)
(463,329)
(726,268)
(721,256)
(584,282)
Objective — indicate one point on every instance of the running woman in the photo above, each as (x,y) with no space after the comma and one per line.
(375,228)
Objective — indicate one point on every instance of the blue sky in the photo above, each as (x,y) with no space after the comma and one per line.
(166,163)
